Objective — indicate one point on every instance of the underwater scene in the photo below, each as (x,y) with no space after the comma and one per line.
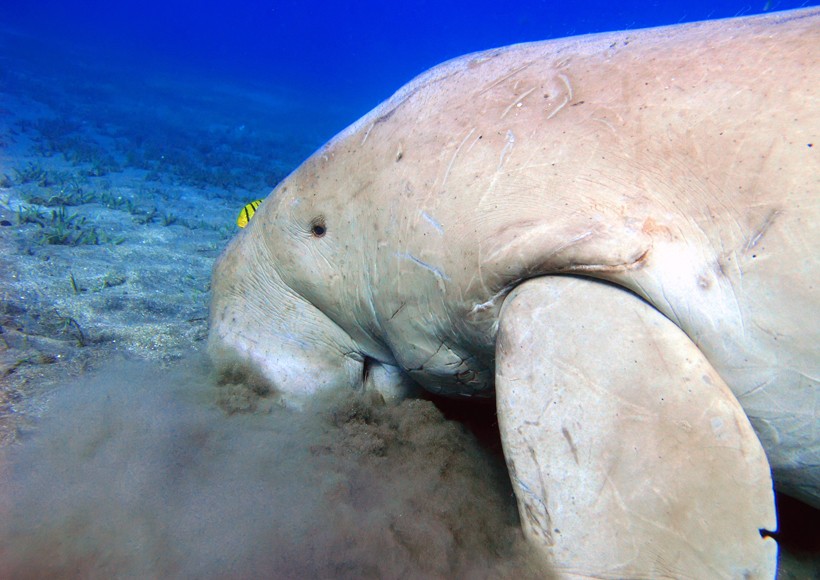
(137,140)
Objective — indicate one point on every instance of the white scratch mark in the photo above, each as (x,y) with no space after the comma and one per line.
(476,140)
(491,302)
(453,160)
(516,102)
(565,79)
(557,250)
(367,133)
(536,498)
(570,242)
(507,148)
(436,271)
(609,125)
(432,221)
(760,232)
(567,97)
(504,78)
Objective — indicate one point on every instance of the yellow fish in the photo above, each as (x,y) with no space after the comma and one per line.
(247,213)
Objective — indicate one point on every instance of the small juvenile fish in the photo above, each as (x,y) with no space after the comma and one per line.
(247,213)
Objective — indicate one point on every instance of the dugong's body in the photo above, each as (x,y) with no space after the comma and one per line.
(610,228)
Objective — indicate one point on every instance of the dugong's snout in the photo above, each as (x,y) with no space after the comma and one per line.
(263,329)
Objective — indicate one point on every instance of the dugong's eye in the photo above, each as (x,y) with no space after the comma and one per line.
(318,227)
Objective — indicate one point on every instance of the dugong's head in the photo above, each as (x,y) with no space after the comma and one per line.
(287,303)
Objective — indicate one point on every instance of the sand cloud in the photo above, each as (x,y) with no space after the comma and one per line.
(137,471)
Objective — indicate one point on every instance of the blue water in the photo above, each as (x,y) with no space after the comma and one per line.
(349,54)
(232,96)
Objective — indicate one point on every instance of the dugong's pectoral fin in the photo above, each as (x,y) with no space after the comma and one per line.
(629,455)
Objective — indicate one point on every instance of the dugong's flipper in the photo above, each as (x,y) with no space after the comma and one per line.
(629,455)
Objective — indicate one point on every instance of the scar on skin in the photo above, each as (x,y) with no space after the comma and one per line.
(436,271)
(504,78)
(491,302)
(762,229)
(572,448)
(507,148)
(606,123)
(399,309)
(367,133)
(432,221)
(634,264)
(516,102)
(453,160)
(567,97)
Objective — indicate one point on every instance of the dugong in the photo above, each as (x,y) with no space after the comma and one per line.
(614,235)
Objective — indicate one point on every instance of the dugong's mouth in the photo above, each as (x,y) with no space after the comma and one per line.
(292,367)
(263,330)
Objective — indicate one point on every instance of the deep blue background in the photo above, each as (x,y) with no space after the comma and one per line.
(353,53)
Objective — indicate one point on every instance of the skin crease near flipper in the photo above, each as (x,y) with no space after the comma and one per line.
(650,455)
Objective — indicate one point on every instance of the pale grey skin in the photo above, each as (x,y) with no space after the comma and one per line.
(680,163)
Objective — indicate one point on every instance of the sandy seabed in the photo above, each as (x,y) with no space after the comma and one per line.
(120,454)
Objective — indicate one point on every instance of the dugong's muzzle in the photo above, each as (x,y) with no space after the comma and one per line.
(261,326)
